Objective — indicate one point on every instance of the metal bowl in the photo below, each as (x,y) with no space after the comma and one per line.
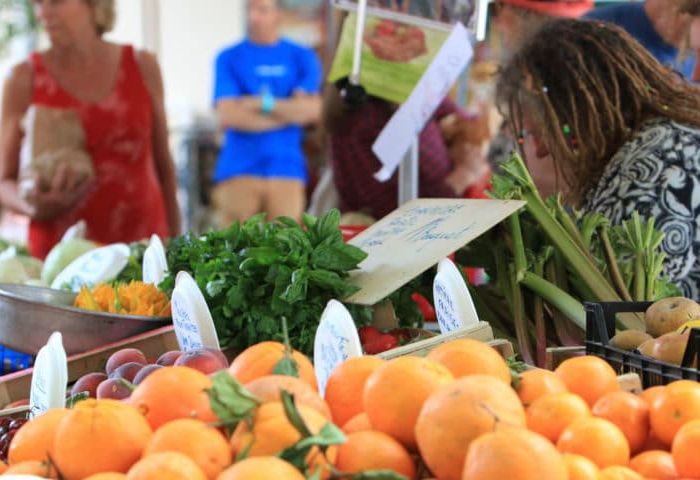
(28,316)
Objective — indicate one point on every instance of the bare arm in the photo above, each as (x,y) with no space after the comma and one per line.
(161,150)
(16,99)
(245,113)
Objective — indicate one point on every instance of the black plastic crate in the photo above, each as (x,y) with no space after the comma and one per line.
(600,328)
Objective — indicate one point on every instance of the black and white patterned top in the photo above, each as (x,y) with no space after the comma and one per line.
(657,173)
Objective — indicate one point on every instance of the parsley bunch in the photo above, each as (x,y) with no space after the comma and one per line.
(255,273)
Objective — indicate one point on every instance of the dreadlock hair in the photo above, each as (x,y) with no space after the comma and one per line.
(589,86)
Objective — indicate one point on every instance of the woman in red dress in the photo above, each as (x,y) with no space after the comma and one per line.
(118,95)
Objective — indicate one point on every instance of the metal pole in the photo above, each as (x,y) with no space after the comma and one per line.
(359,39)
(408,175)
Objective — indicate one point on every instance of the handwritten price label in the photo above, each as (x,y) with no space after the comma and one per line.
(336,341)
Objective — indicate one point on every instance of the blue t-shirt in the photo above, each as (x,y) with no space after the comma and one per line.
(633,18)
(249,69)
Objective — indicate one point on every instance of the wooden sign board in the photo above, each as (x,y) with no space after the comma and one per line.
(417,236)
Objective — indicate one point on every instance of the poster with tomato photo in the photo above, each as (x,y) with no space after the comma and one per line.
(394,55)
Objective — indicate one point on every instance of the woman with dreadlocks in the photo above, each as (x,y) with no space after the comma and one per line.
(623,130)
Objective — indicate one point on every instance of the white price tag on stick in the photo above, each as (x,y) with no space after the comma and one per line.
(454,306)
(49,377)
(336,341)
(409,120)
(194,326)
(155,263)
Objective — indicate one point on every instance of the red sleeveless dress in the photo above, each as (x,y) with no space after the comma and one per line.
(127,202)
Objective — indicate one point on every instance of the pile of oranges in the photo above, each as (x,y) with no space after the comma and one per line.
(453,415)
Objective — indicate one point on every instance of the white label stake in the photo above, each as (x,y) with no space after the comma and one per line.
(194,326)
(155,263)
(49,377)
(336,341)
(454,306)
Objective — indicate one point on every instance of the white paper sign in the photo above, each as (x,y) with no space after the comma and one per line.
(336,341)
(194,326)
(409,120)
(155,263)
(49,377)
(96,266)
(416,237)
(454,306)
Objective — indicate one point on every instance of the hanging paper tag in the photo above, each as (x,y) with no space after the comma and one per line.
(155,263)
(194,326)
(49,377)
(336,341)
(454,307)
(96,266)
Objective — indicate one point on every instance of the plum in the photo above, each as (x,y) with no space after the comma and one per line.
(205,361)
(88,383)
(168,358)
(144,372)
(127,371)
(126,355)
(113,388)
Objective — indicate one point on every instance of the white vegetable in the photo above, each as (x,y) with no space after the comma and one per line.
(63,255)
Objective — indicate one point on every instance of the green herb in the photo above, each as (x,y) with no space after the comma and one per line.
(133,272)
(253,274)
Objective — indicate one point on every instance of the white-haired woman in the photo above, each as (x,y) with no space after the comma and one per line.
(117,93)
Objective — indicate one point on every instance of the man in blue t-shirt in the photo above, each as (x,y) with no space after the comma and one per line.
(266,90)
(656,24)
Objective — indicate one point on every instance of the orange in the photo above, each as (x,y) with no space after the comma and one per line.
(261,359)
(619,473)
(552,414)
(596,439)
(358,423)
(458,414)
(268,389)
(654,443)
(261,468)
(676,406)
(107,476)
(629,412)
(588,377)
(374,451)
(651,394)
(685,450)
(166,466)
(654,464)
(206,445)
(537,383)
(470,357)
(99,436)
(346,385)
(580,468)
(3,467)
(513,455)
(171,393)
(271,433)
(396,391)
(34,440)
(32,467)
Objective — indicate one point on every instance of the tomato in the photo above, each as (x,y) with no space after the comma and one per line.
(380,344)
(368,334)
(425,307)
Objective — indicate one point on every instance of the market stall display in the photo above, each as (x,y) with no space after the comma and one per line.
(452,414)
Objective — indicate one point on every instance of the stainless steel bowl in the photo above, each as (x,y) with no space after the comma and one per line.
(28,316)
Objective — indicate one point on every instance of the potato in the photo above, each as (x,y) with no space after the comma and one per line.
(668,315)
(671,347)
(630,339)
